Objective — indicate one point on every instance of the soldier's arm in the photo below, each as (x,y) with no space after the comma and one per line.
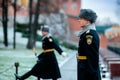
(57,47)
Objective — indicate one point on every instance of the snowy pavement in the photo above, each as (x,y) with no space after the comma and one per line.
(26,57)
(69,70)
(67,66)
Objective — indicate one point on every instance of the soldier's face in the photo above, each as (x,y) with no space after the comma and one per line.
(44,33)
(83,22)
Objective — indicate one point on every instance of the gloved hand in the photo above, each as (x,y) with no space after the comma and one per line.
(38,61)
(64,54)
(35,51)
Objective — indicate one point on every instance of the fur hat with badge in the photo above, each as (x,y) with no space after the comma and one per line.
(88,14)
(45,28)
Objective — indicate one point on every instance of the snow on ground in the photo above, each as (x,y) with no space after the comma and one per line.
(105,74)
(26,58)
(19,39)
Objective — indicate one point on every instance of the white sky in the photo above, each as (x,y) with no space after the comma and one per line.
(104,8)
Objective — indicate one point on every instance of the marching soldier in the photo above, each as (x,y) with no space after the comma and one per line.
(47,65)
(88,50)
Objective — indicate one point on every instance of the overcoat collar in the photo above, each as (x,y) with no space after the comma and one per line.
(88,27)
(47,35)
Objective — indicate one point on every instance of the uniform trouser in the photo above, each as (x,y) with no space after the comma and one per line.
(28,74)
(84,74)
(54,79)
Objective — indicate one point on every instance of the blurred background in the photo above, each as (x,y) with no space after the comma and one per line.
(21,21)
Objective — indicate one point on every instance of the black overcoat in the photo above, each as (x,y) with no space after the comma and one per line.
(47,66)
(88,67)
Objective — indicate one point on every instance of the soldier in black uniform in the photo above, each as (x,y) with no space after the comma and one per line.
(88,50)
(47,65)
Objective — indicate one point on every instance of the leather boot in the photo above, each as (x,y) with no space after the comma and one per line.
(18,77)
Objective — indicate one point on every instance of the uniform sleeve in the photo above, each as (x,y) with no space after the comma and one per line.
(91,51)
(55,45)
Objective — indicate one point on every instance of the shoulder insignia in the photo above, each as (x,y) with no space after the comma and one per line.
(89,39)
(87,31)
(50,40)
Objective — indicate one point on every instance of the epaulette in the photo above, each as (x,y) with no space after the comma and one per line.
(89,37)
(49,37)
(88,31)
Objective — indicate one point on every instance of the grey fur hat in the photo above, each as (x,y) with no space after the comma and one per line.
(88,14)
(45,28)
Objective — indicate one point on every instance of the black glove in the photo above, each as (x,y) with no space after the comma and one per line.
(38,61)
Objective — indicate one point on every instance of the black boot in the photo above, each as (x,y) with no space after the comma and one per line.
(18,77)
(54,79)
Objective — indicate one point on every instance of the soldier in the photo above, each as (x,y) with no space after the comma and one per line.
(47,65)
(88,50)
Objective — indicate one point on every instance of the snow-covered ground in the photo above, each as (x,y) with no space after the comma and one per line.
(26,58)
(105,74)
(19,39)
